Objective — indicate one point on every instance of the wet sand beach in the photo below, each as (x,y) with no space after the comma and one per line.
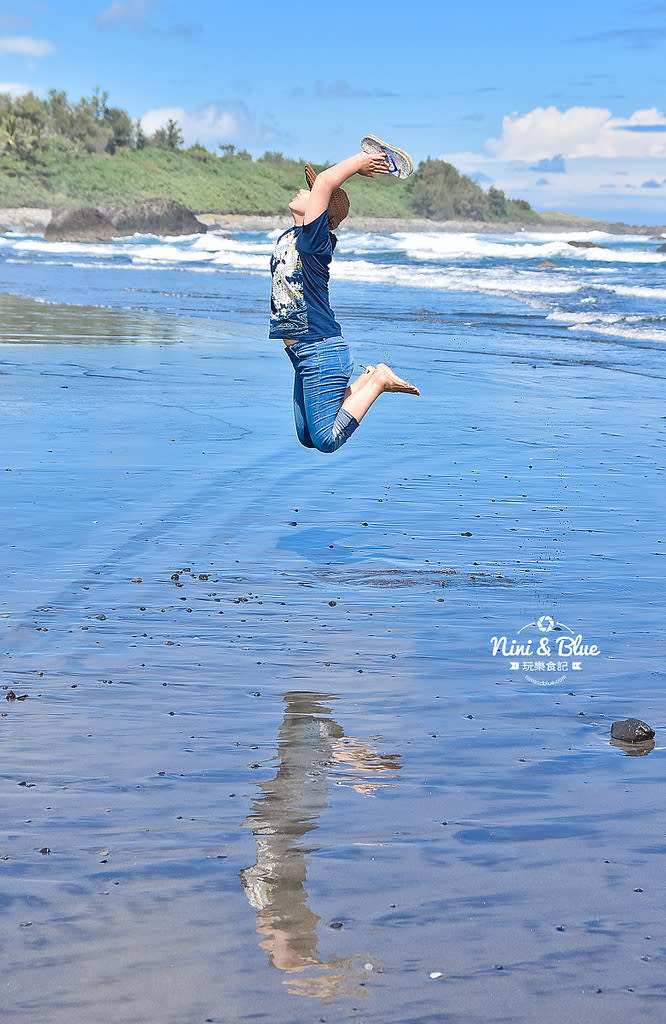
(267,767)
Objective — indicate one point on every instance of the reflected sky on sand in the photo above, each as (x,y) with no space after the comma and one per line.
(264,734)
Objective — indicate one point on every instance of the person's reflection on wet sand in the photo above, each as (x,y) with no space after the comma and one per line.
(311,746)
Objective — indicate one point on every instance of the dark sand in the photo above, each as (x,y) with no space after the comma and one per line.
(293,784)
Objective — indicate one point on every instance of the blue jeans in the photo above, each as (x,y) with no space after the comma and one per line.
(322,372)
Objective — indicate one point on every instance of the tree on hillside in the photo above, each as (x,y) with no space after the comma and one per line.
(22,124)
(440,192)
(168,137)
(496,203)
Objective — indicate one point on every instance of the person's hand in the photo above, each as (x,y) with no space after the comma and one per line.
(373,163)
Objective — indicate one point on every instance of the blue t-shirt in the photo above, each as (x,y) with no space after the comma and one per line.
(300,307)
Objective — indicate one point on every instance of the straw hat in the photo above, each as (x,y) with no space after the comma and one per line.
(338,207)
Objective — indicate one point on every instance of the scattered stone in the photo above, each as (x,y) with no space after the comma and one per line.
(632,730)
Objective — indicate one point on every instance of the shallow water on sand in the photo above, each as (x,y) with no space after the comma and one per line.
(277,769)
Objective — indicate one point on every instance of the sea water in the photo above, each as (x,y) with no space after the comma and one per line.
(614,289)
(268,766)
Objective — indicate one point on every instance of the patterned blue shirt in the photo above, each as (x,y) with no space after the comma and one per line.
(300,307)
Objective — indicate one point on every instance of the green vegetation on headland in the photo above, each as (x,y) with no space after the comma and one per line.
(54,152)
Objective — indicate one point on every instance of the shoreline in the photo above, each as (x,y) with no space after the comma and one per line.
(36,219)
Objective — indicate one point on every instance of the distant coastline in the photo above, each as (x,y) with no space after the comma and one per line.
(35,219)
(555,222)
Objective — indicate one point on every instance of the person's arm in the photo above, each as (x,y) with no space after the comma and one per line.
(367,164)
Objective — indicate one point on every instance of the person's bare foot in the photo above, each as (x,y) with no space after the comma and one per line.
(360,381)
(391,382)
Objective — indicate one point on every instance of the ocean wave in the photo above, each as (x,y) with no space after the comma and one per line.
(39,245)
(631,333)
(634,291)
(506,282)
(464,246)
(590,317)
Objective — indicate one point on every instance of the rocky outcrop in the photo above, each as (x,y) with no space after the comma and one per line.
(102,223)
(587,245)
(661,248)
(78,224)
(153,217)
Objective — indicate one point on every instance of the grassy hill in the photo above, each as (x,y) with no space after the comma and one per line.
(58,152)
(208,183)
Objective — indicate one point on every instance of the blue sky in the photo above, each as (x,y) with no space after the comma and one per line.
(562,104)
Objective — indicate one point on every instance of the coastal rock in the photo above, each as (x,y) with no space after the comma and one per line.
(587,245)
(661,248)
(102,223)
(631,730)
(153,217)
(546,264)
(78,224)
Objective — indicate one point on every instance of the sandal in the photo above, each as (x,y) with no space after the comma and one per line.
(400,163)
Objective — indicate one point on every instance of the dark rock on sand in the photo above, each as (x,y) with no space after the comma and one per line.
(102,223)
(631,730)
(587,245)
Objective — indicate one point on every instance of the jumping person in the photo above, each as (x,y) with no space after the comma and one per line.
(327,407)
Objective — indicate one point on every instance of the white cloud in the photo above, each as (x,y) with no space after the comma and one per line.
(212,124)
(26,46)
(143,16)
(15,88)
(126,14)
(580,132)
(610,161)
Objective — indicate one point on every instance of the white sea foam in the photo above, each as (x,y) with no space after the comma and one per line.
(591,317)
(624,256)
(632,333)
(168,254)
(38,245)
(635,291)
(506,282)
(463,246)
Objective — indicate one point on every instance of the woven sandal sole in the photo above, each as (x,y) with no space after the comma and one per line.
(402,162)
